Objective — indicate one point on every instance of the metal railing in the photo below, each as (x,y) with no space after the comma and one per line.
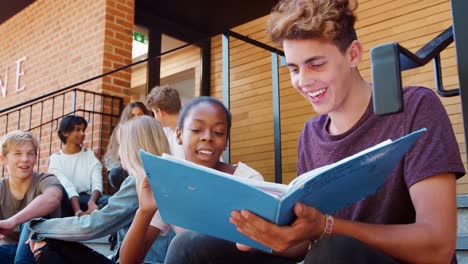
(42,117)
(275,92)
(390,59)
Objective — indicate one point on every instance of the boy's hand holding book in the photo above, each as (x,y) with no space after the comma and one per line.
(309,224)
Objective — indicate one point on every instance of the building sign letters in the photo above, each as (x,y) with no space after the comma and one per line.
(4,78)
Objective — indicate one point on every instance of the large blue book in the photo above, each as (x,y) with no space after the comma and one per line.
(201,199)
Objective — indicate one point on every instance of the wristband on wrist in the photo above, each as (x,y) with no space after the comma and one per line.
(327,229)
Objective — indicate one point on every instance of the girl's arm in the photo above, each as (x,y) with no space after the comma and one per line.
(141,234)
(431,239)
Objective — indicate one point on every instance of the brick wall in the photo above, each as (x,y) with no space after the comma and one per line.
(65,42)
(118,45)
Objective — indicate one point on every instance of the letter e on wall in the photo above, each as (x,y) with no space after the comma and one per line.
(19,73)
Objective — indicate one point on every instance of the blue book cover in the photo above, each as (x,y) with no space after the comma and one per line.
(201,199)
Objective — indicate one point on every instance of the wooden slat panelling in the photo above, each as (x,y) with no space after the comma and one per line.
(179,61)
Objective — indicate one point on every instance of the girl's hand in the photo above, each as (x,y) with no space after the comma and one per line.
(146,198)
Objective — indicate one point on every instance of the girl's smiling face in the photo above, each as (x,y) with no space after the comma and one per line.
(204,134)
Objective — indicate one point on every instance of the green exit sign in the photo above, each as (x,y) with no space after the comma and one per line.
(137,36)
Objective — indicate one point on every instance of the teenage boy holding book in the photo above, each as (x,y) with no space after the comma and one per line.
(412,218)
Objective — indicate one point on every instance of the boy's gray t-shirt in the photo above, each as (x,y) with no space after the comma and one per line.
(11,206)
(435,152)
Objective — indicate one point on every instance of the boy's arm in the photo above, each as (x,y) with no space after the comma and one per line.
(431,239)
(96,183)
(42,205)
(92,202)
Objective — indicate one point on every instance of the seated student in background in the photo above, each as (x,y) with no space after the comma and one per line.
(412,218)
(116,216)
(142,132)
(203,130)
(164,101)
(24,195)
(115,173)
(77,168)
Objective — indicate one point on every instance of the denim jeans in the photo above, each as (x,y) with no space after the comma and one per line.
(66,208)
(194,248)
(157,252)
(84,198)
(23,252)
(116,176)
(338,249)
(56,251)
(18,253)
(7,253)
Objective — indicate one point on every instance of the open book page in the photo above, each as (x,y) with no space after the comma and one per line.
(305,177)
(275,189)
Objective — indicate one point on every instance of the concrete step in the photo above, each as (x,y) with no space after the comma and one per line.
(462,229)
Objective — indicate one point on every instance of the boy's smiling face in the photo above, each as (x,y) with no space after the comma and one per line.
(20,161)
(320,72)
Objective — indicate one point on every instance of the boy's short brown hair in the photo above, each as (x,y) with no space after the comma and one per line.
(165,98)
(331,20)
(16,138)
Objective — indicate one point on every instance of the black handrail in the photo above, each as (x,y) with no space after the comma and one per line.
(254,42)
(388,60)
